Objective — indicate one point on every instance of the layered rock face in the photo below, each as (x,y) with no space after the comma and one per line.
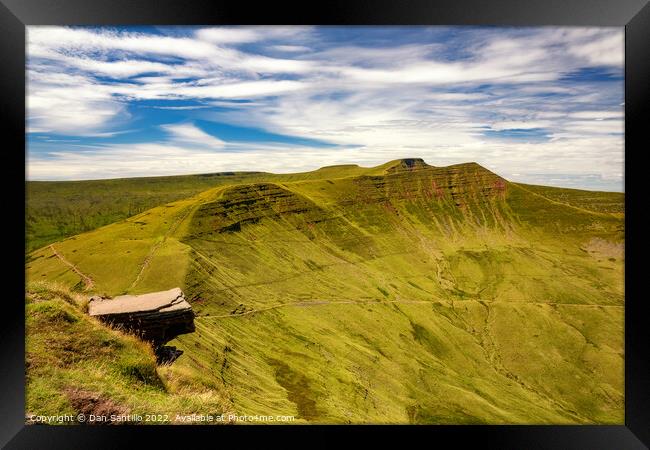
(249,204)
(157,317)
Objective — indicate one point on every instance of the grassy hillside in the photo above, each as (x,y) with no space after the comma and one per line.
(58,209)
(605,202)
(396,294)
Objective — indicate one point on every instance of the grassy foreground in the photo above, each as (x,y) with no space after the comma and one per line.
(403,293)
(76,365)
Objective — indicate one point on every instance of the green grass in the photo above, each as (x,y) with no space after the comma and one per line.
(604,202)
(59,209)
(402,293)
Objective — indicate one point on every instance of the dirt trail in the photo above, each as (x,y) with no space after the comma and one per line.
(146,262)
(182,216)
(85,278)
(493,356)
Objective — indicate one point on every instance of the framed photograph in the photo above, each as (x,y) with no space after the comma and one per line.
(304,219)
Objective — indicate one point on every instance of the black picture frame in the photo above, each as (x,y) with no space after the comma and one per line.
(634,15)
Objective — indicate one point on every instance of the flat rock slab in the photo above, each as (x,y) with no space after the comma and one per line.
(157,317)
(163,301)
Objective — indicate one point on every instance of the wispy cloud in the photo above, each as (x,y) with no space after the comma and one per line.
(239,35)
(290,48)
(191,135)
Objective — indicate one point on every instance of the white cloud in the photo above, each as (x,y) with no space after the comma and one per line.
(227,35)
(71,105)
(263,64)
(192,135)
(519,125)
(124,68)
(435,73)
(456,96)
(238,90)
(80,40)
(606,49)
(239,35)
(290,48)
(598,115)
(592,127)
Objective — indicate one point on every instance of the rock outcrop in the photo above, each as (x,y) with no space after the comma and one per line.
(157,317)
(408,165)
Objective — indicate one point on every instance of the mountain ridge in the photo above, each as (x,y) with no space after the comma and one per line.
(61,209)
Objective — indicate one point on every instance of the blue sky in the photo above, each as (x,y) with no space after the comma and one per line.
(537,105)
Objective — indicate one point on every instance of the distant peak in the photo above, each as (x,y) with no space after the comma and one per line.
(338,166)
(406,164)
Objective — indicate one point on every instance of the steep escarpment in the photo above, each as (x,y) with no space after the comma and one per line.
(249,204)
(460,191)
(460,183)
(273,207)
(253,233)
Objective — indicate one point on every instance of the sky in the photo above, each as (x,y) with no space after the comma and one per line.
(537,105)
